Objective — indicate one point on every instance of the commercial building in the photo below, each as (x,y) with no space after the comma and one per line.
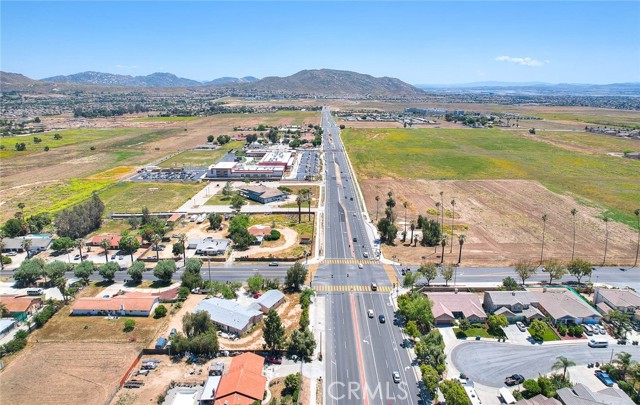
(236,170)
(129,304)
(448,307)
(625,301)
(262,194)
(230,316)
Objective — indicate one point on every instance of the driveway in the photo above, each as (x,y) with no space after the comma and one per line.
(516,336)
(488,363)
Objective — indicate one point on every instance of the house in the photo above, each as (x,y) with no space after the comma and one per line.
(213,247)
(623,300)
(175,218)
(269,300)
(448,307)
(565,306)
(244,384)
(193,243)
(262,194)
(259,231)
(539,400)
(114,240)
(20,307)
(580,394)
(38,244)
(6,324)
(129,304)
(516,306)
(230,316)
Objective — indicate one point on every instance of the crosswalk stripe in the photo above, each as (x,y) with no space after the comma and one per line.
(349,261)
(348,288)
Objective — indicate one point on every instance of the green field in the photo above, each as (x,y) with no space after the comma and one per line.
(549,334)
(472,333)
(132,196)
(471,154)
(596,120)
(201,158)
(596,142)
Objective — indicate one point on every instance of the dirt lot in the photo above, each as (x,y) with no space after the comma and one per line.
(500,233)
(66,373)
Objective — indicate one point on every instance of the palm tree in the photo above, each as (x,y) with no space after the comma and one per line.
(606,237)
(299,202)
(155,240)
(637,212)
(377,200)
(562,363)
(443,243)
(2,246)
(453,216)
(442,209)
(182,238)
(79,243)
(3,310)
(437,219)
(573,250)
(405,205)
(461,239)
(623,359)
(26,244)
(544,228)
(105,244)
(412,226)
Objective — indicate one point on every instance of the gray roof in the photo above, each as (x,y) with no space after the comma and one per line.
(583,395)
(225,312)
(270,298)
(619,298)
(562,303)
(207,244)
(6,323)
(36,242)
(508,298)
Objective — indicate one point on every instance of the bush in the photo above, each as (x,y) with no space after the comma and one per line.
(160,312)
(274,235)
(183,293)
(43,316)
(129,324)
(6,260)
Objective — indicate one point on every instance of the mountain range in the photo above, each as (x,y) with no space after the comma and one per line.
(540,88)
(153,80)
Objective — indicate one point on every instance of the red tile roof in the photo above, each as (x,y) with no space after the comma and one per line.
(244,383)
(259,230)
(18,304)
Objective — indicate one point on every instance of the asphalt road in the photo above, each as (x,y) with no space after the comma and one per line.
(362,352)
(500,360)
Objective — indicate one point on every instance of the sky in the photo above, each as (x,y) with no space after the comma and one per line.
(419,42)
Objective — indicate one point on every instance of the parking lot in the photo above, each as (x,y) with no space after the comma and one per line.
(191,174)
(309,165)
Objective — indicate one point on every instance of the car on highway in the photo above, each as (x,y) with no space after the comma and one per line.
(77,257)
(382,319)
(374,287)
(273,264)
(360,266)
(605,378)
(514,380)
(396,377)
(521,326)
(370,313)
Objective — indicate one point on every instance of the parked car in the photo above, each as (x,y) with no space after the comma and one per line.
(514,380)
(396,377)
(587,330)
(12,253)
(521,326)
(273,360)
(604,377)
(113,256)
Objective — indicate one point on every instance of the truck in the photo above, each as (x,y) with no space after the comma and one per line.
(161,343)
(598,342)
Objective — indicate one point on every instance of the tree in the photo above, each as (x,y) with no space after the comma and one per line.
(215,221)
(412,227)
(302,343)
(26,246)
(135,271)
(606,237)
(623,360)
(555,269)
(4,311)
(637,212)
(430,378)
(525,269)
(164,270)
(447,272)
(2,246)
(532,388)
(237,202)
(496,323)
(196,323)
(55,270)
(443,243)
(377,201)
(292,385)
(63,244)
(412,329)
(29,271)
(84,271)
(509,284)
(562,363)
(387,230)
(537,329)
(579,268)
(108,270)
(431,233)
(416,307)
(155,241)
(453,216)
(441,205)
(428,271)
(182,238)
(544,228)
(227,190)
(409,279)
(454,393)
(129,243)
(177,249)
(256,283)
(79,243)
(299,203)
(210,138)
(405,205)
(573,249)
(296,276)
(105,244)
(160,312)
(129,324)
(273,331)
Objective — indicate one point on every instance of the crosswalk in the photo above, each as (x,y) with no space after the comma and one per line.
(349,261)
(346,288)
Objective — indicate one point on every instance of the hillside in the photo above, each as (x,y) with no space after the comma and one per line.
(332,83)
(109,79)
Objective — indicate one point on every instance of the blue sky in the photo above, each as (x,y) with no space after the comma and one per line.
(418,42)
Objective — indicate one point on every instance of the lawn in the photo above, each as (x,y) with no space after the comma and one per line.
(471,154)
(315,191)
(220,199)
(549,334)
(473,332)
(201,158)
(158,197)
(290,221)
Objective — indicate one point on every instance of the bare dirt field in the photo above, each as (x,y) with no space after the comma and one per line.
(504,221)
(66,373)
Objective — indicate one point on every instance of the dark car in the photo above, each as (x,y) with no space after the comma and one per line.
(273,264)
(273,360)
(514,380)
(382,319)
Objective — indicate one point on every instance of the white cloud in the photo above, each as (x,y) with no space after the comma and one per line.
(126,67)
(521,61)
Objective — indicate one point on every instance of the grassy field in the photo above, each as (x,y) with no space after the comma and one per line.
(469,154)
(132,196)
(290,221)
(597,120)
(220,199)
(165,119)
(201,158)
(594,142)
(315,191)
(60,195)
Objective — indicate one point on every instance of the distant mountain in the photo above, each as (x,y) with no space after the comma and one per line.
(541,88)
(15,79)
(225,80)
(109,79)
(331,83)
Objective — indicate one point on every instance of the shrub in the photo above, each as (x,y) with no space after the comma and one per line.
(160,312)
(183,293)
(274,235)
(129,324)
(6,260)
(43,316)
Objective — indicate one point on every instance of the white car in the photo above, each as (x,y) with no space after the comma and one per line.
(370,313)
(12,253)
(521,326)
(360,266)
(396,377)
